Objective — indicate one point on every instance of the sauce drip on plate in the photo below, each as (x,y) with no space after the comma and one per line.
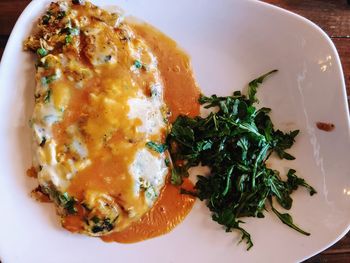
(181,90)
(170,210)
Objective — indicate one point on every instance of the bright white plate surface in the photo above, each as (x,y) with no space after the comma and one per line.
(230,43)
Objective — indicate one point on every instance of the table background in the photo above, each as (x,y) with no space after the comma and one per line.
(333,16)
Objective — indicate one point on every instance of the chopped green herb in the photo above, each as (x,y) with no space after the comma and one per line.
(72,31)
(42,52)
(62,199)
(167,162)
(235,141)
(150,193)
(154,92)
(46,18)
(47,96)
(176,177)
(61,14)
(95,219)
(101,225)
(68,39)
(67,202)
(156,146)
(138,64)
(48,79)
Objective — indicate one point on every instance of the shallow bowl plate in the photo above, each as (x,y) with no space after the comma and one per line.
(230,42)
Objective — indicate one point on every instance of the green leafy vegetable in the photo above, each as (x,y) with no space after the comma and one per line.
(156,146)
(253,85)
(235,140)
(288,220)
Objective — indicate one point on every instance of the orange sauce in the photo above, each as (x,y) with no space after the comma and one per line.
(181,90)
(181,96)
(171,208)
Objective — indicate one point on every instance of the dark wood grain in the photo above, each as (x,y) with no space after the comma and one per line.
(9,12)
(3,41)
(330,258)
(343,47)
(333,16)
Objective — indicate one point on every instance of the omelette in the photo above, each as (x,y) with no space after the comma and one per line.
(99,121)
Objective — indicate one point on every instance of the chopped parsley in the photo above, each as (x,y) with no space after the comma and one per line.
(98,224)
(62,199)
(46,18)
(68,39)
(61,14)
(48,79)
(42,52)
(156,146)
(138,64)
(102,225)
(67,202)
(235,140)
(73,31)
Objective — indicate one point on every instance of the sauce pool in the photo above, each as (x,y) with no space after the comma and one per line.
(181,90)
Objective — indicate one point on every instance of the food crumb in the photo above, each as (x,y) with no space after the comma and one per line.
(324,126)
(31,172)
(38,195)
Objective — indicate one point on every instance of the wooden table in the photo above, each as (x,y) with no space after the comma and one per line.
(331,15)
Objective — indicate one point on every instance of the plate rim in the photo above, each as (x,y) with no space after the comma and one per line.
(314,26)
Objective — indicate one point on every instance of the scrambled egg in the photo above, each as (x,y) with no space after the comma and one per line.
(100,121)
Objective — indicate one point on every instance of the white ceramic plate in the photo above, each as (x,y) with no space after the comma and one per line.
(230,43)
